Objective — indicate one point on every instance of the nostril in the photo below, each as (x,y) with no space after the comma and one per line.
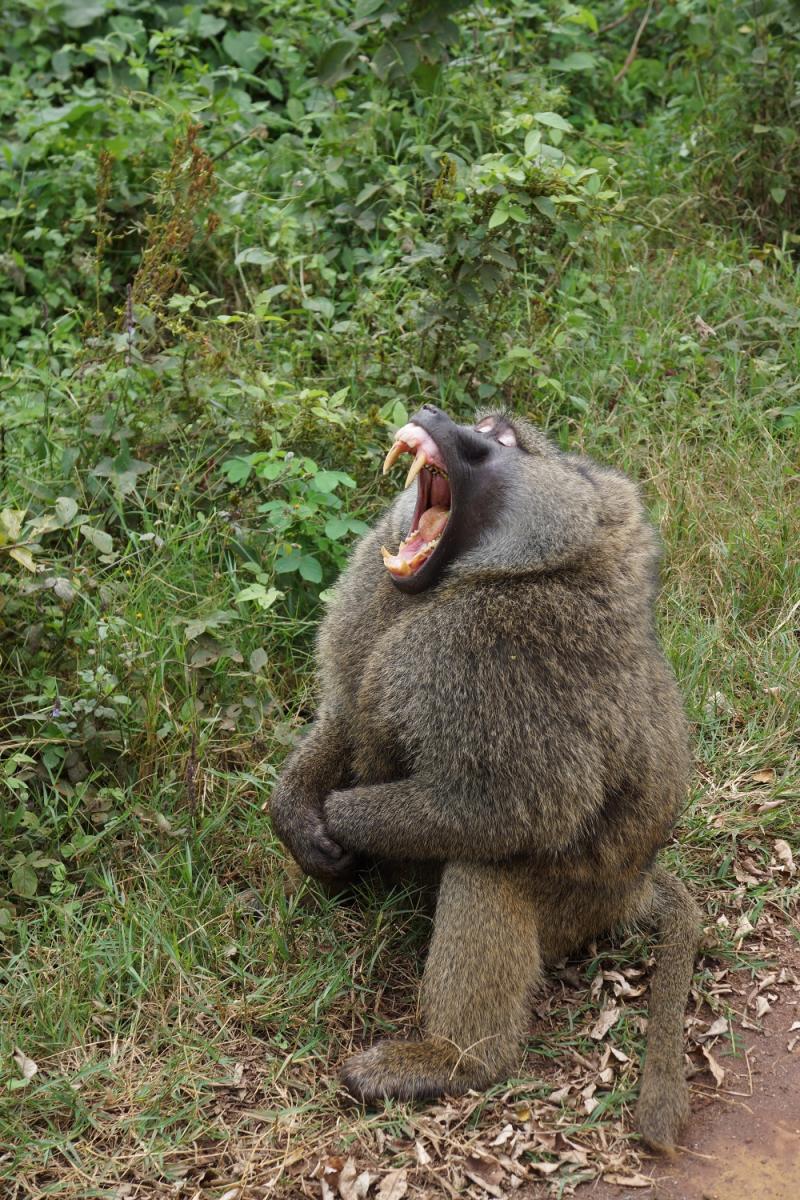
(431,408)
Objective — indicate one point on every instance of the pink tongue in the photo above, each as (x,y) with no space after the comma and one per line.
(432,522)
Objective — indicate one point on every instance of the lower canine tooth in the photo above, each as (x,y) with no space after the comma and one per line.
(417,465)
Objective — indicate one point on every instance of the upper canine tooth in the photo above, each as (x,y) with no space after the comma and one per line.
(393,455)
(416,467)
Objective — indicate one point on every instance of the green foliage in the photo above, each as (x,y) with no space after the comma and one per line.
(304,519)
(241,242)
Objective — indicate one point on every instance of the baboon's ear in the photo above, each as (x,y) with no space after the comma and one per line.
(498,426)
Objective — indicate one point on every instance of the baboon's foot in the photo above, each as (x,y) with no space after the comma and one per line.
(413,1071)
(662,1111)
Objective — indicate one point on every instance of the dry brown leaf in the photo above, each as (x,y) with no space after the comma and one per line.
(763,1006)
(486,1172)
(422,1156)
(714,1030)
(765,775)
(743,927)
(621,985)
(393,1186)
(716,1070)
(353,1186)
(783,853)
(718,705)
(607,1019)
(744,877)
(768,804)
(328,1173)
(703,328)
(765,981)
(544,1168)
(503,1136)
(26,1066)
(232,1193)
(578,1158)
(635,1181)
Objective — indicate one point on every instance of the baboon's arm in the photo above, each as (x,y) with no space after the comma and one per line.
(412,819)
(321,762)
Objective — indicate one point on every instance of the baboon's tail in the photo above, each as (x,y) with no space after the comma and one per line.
(664,1095)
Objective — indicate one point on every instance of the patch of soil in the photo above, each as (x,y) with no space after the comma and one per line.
(743,1140)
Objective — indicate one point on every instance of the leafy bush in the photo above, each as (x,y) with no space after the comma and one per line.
(243,241)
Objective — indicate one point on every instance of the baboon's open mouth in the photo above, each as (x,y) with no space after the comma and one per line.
(433,500)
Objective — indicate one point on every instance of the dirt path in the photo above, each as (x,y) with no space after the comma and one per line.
(743,1142)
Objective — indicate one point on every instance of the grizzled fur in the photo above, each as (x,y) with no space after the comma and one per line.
(517,726)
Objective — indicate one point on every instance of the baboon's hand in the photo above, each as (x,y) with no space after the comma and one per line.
(301,828)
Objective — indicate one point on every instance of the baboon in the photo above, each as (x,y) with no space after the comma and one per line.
(494,702)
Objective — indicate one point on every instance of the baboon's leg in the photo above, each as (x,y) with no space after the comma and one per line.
(664,1095)
(482,964)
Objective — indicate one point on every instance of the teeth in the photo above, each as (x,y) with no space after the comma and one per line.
(391,458)
(417,465)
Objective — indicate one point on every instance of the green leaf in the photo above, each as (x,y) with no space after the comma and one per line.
(236,470)
(65,509)
(337,61)
(61,63)
(310,569)
(207,25)
(336,527)
(254,254)
(101,540)
(578,61)
(554,121)
(584,16)
(24,881)
(499,216)
(532,141)
(11,524)
(199,625)
(258,659)
(244,48)
(320,304)
(545,206)
(263,597)
(285,563)
(79,13)
(399,414)
(326,481)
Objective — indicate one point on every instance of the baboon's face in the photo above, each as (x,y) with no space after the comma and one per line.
(462,475)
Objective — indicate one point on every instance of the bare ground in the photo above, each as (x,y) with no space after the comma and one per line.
(742,1143)
(744,1138)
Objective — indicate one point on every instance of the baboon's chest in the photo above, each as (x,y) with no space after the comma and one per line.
(382,731)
